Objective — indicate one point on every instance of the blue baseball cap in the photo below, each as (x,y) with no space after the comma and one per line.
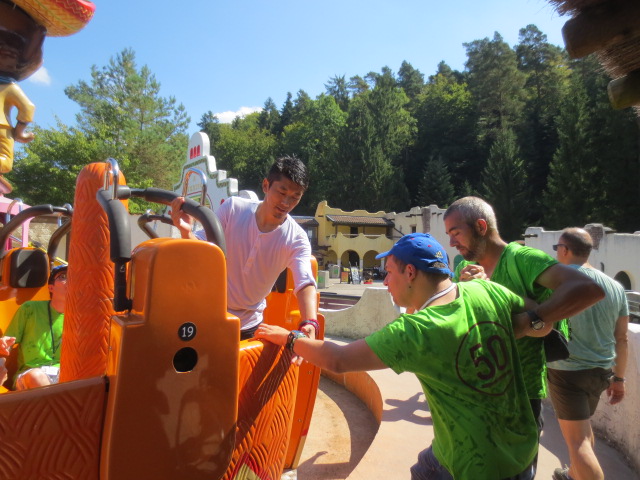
(421,250)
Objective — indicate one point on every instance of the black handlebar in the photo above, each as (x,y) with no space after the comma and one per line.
(120,234)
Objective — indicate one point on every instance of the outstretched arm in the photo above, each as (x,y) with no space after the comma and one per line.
(356,356)
(573,292)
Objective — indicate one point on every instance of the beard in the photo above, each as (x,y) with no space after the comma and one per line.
(476,248)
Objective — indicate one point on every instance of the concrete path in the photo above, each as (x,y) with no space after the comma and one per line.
(346,442)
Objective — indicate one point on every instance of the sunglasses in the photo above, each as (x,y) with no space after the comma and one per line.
(555,247)
(62,277)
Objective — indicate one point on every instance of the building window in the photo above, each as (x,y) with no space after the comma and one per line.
(413,229)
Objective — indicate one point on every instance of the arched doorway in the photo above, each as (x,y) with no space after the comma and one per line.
(623,279)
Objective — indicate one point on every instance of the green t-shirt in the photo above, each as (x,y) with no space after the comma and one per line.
(517,269)
(465,357)
(30,326)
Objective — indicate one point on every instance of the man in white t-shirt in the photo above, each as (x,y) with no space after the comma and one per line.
(262,240)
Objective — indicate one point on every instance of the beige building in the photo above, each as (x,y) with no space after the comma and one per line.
(351,238)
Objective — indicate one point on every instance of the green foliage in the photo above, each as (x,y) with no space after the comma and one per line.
(496,83)
(121,110)
(516,120)
(568,197)
(547,71)
(505,185)
(436,187)
(338,88)
(246,151)
(378,131)
(315,140)
(446,122)
(45,170)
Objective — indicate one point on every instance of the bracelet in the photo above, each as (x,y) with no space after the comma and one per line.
(311,322)
(293,336)
(619,379)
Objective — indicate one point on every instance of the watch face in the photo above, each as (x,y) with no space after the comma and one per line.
(537,324)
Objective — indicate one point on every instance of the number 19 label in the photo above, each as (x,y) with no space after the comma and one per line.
(187,331)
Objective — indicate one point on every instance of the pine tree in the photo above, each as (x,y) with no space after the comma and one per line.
(505,185)
(436,187)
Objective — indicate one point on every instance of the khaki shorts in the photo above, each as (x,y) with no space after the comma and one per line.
(575,393)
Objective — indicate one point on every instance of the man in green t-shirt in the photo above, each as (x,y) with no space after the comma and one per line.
(460,343)
(37,327)
(560,291)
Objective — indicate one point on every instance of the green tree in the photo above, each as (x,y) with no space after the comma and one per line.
(614,152)
(505,185)
(569,197)
(410,80)
(315,140)
(286,114)
(45,170)
(269,118)
(446,129)
(338,88)
(496,83)
(210,124)
(379,130)
(246,151)
(436,187)
(122,111)
(547,78)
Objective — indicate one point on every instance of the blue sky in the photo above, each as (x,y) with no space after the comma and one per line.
(226,56)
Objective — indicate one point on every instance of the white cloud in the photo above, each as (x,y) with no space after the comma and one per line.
(228,117)
(41,76)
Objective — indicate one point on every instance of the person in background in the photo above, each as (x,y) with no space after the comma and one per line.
(37,327)
(460,344)
(597,360)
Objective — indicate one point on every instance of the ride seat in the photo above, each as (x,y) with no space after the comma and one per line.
(25,271)
(28,268)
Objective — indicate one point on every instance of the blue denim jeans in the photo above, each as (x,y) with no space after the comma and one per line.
(429,468)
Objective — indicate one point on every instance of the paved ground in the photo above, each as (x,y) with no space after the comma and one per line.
(339,444)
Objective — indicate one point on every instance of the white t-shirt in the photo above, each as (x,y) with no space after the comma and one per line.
(256,259)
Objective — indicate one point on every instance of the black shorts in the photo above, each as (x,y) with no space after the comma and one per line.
(575,393)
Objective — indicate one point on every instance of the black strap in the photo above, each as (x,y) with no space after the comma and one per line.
(54,347)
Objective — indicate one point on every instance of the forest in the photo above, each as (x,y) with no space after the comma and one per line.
(524,127)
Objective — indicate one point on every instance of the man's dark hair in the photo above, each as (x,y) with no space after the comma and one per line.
(289,167)
(578,241)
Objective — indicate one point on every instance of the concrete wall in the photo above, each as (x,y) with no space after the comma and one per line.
(372,312)
(424,220)
(613,253)
(620,424)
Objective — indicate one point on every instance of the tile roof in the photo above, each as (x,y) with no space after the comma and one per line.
(305,221)
(360,221)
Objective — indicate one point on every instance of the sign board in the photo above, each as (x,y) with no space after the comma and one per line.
(355,275)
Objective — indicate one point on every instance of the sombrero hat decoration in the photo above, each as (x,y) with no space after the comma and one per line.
(59,17)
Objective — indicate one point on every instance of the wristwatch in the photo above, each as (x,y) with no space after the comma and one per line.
(536,322)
